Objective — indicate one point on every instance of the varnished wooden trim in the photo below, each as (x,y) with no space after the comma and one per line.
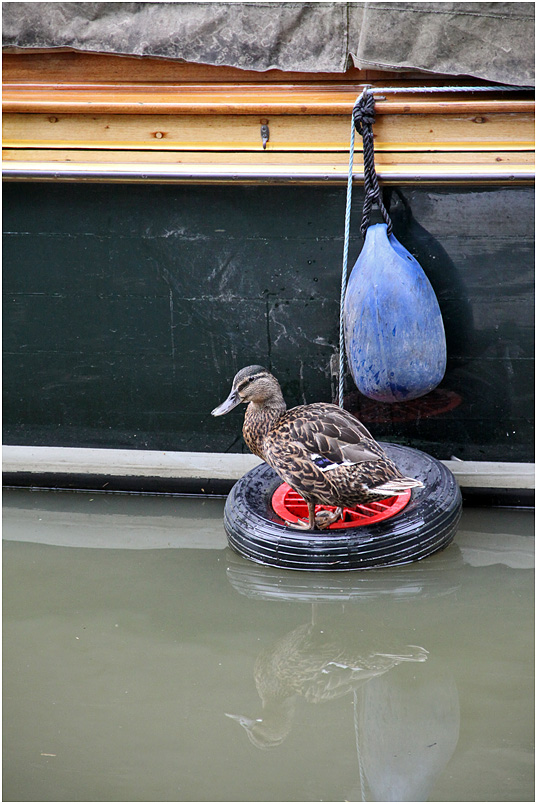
(230,100)
(287,133)
(63,66)
(266,159)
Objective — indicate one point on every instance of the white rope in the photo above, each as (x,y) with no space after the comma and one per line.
(376,91)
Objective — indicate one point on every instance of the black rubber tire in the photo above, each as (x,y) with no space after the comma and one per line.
(427,524)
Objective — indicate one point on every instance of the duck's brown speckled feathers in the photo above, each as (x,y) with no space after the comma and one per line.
(358,464)
(321,450)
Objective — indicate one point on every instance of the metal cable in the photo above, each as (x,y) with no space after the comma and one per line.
(499,88)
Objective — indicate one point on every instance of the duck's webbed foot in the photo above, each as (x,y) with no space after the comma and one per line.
(301,524)
(325,518)
(320,521)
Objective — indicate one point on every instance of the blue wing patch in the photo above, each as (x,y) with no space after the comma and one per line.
(325,464)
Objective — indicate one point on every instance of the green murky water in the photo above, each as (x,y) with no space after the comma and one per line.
(145,661)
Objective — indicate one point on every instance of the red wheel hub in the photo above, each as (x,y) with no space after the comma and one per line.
(289,505)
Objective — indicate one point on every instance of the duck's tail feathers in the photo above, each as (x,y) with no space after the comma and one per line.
(397,486)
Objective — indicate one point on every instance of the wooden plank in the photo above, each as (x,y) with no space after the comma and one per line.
(68,67)
(289,133)
(301,158)
(232,99)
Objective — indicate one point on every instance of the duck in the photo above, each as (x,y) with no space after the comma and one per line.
(321,450)
(317,664)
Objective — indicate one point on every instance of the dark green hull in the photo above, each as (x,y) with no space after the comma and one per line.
(129,308)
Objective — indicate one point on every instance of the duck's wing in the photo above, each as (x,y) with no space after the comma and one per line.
(332,437)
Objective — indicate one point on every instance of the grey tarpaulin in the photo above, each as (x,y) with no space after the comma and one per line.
(494,41)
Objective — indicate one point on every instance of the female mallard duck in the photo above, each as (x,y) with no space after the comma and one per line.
(319,664)
(322,451)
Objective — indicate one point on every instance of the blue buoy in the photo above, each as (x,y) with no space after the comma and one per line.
(394,334)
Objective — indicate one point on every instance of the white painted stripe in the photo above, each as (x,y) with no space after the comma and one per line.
(255,174)
(217,465)
(493,475)
(126,462)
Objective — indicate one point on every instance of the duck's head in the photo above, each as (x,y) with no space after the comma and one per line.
(272,729)
(251,384)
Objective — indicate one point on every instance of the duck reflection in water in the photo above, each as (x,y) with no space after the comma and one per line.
(318,663)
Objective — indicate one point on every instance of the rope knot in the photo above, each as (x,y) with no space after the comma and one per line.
(363,116)
(363,113)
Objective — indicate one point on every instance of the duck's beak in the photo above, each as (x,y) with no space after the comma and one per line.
(231,402)
(246,722)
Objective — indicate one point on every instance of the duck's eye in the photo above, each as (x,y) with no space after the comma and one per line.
(245,382)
